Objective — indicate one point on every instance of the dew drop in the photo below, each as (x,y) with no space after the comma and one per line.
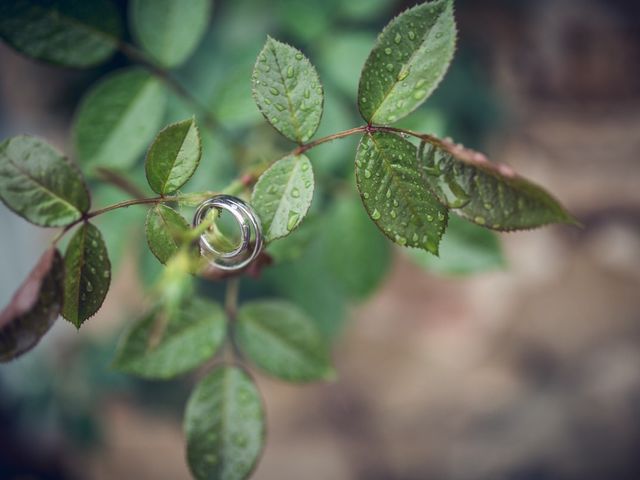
(293,220)
(280,107)
(307,93)
(418,94)
(106,274)
(393,214)
(363,99)
(404,73)
(367,173)
(89,287)
(304,167)
(375,214)
(479,220)
(488,206)
(295,193)
(290,72)
(299,56)
(387,51)
(274,91)
(365,194)
(388,194)
(390,67)
(267,101)
(439,35)
(420,82)
(429,218)
(414,239)
(401,240)
(267,68)
(412,35)
(397,38)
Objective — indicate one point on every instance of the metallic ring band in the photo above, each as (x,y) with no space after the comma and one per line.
(251,240)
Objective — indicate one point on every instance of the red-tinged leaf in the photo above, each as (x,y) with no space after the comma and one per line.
(33,308)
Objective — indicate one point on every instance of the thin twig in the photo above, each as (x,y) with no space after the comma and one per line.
(116,179)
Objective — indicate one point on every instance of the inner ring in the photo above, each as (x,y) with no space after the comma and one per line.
(250,227)
(224,202)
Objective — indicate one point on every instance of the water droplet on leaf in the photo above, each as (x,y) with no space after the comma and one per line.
(293,220)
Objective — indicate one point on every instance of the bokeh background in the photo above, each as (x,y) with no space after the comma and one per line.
(525,368)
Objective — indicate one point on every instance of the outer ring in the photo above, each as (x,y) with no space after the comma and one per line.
(249,223)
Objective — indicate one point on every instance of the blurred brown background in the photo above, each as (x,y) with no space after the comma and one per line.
(531,373)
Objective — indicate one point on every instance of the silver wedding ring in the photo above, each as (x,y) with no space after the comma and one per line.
(251,240)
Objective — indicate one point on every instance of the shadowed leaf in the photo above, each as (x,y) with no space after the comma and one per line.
(73,33)
(38,183)
(283,341)
(117,119)
(171,341)
(224,426)
(357,254)
(169,30)
(166,230)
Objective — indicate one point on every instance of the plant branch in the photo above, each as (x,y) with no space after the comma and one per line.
(231,298)
(329,138)
(115,206)
(128,203)
(115,178)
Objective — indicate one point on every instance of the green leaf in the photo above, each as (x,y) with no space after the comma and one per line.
(169,30)
(408,61)
(87,274)
(465,249)
(357,254)
(287,90)
(171,341)
(73,33)
(38,183)
(283,341)
(488,194)
(118,118)
(166,231)
(33,308)
(173,156)
(224,426)
(282,196)
(394,194)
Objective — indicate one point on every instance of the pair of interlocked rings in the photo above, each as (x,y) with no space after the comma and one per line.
(251,239)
